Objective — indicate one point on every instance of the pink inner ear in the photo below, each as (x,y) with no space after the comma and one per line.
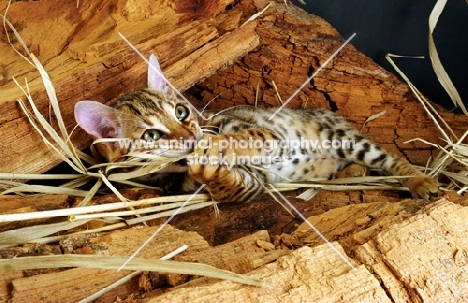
(156,77)
(97,119)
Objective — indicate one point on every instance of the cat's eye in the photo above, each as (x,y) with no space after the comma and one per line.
(151,135)
(181,112)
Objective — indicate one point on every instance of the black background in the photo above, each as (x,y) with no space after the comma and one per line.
(402,27)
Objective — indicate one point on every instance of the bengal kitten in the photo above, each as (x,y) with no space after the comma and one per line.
(156,113)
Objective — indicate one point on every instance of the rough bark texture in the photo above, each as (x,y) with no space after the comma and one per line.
(406,251)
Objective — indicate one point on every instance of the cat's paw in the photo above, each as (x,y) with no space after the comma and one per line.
(353,170)
(218,167)
(422,187)
(222,151)
(206,165)
(224,182)
(228,185)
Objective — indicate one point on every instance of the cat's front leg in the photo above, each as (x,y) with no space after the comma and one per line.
(224,165)
(236,184)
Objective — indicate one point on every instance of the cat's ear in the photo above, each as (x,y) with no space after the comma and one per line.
(156,77)
(97,119)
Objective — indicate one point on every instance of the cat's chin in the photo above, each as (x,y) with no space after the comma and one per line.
(180,166)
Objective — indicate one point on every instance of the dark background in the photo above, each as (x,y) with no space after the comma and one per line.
(402,27)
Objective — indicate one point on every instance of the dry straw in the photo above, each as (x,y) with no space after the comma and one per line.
(451,161)
(128,277)
(113,263)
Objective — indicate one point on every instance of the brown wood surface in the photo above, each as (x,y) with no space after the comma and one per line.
(415,256)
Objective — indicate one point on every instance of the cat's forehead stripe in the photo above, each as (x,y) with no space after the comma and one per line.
(133,108)
(145,100)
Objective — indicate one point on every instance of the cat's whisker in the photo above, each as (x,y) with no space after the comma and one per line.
(209,131)
(228,109)
(208,103)
(215,130)
(209,126)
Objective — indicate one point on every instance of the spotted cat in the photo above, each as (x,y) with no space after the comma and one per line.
(292,144)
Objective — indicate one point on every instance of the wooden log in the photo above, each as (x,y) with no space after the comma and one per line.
(241,256)
(416,250)
(234,220)
(359,221)
(307,274)
(5,284)
(405,252)
(426,255)
(75,284)
(61,286)
(412,256)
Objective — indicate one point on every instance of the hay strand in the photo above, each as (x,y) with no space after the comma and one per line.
(96,208)
(113,263)
(439,69)
(129,277)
